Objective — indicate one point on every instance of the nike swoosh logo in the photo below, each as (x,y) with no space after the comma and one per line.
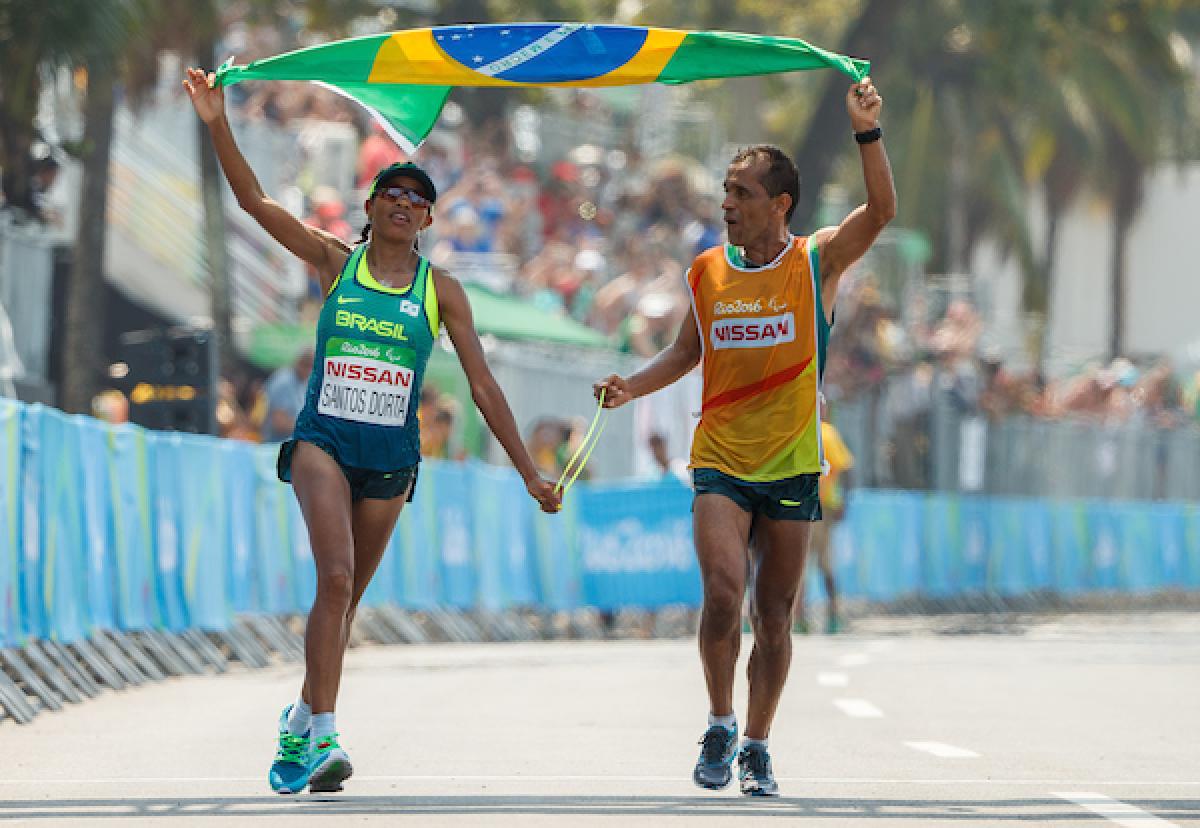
(790,503)
(344,299)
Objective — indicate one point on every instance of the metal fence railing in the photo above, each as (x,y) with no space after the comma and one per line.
(938,444)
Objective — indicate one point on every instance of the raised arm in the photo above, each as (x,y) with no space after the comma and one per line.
(845,244)
(321,250)
(455,312)
(666,367)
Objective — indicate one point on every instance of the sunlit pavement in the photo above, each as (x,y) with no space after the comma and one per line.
(1080,719)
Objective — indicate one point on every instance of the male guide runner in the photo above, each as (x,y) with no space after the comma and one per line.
(763,306)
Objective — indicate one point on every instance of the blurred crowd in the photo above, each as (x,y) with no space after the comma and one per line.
(601,235)
(598,234)
(921,360)
(604,237)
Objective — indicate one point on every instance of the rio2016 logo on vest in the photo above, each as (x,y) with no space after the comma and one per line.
(760,332)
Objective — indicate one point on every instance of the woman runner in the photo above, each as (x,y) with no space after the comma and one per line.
(353,457)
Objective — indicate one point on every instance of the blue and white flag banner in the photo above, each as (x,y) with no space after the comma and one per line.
(94,482)
(10,524)
(635,546)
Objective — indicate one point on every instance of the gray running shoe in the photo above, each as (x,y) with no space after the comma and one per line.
(714,768)
(754,771)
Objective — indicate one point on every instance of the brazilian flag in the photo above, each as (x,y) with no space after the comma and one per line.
(405,77)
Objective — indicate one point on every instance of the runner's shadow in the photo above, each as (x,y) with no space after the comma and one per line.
(724,806)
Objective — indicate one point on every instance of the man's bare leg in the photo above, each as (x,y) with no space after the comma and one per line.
(780,549)
(721,530)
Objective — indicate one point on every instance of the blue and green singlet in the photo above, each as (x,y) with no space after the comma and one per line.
(373,343)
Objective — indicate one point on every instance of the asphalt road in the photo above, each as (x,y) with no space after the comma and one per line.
(1072,720)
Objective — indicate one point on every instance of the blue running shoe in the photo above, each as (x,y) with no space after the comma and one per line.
(289,771)
(754,771)
(329,766)
(714,768)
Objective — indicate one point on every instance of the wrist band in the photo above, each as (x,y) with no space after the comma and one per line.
(870,136)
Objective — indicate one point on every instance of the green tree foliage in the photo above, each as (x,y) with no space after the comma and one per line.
(987,102)
(35,36)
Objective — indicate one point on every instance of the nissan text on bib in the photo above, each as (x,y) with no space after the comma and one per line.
(366,382)
(757,332)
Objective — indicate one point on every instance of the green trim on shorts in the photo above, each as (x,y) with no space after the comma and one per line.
(793,498)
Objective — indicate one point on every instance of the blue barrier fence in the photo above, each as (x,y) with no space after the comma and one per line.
(114,527)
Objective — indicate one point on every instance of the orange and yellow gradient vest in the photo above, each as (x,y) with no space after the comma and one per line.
(763,333)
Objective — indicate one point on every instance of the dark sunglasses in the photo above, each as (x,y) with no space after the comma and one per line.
(394,194)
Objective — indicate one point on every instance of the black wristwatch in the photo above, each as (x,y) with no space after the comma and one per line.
(870,136)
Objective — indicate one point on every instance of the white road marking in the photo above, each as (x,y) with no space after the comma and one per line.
(943,750)
(858,708)
(833,679)
(840,780)
(1112,809)
(853,660)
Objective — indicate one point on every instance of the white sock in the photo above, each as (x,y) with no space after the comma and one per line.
(747,742)
(728,722)
(322,726)
(299,717)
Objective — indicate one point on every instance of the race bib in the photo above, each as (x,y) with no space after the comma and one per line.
(366,382)
(760,332)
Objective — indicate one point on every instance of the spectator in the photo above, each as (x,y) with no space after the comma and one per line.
(233,422)
(111,406)
(546,273)
(285,392)
(653,324)
(589,270)
(45,173)
(377,151)
(559,203)
(834,485)
(438,414)
(660,309)
(669,468)
(443,424)
(910,407)
(615,301)
(571,434)
(1192,398)
(703,230)
(329,213)
(481,194)
(546,439)
(1087,393)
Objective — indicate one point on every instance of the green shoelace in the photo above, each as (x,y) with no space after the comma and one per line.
(292,749)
